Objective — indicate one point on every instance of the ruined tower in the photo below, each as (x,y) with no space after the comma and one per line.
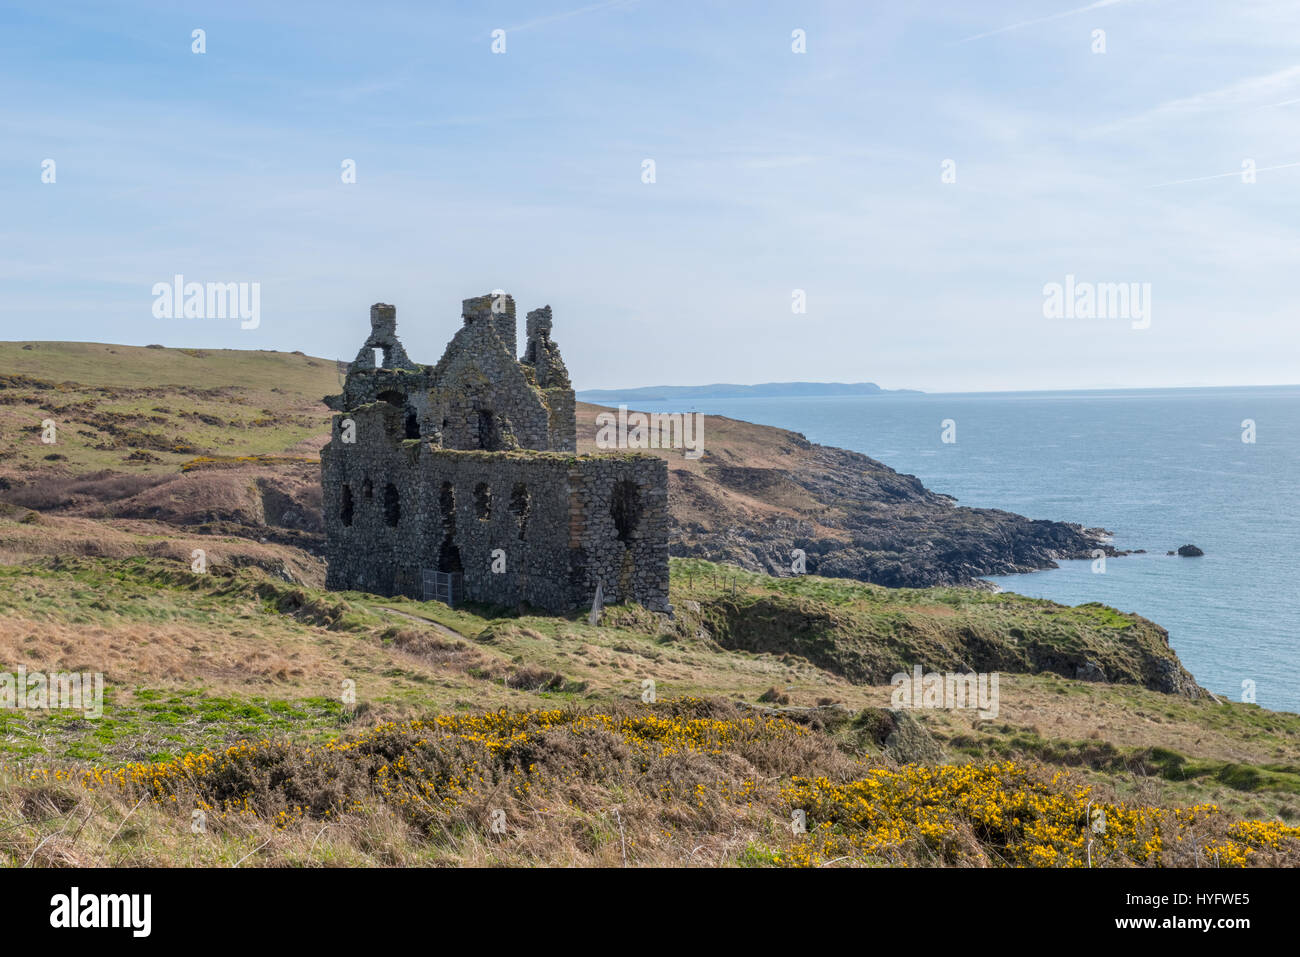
(466,474)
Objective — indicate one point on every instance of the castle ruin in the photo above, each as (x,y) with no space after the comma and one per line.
(465,474)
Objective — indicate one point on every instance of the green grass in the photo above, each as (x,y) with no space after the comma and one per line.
(868,633)
(135,409)
(811,638)
(155,724)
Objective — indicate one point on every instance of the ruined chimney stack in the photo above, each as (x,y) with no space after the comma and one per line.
(498,308)
(383,319)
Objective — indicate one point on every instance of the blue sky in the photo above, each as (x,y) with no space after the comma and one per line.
(775,171)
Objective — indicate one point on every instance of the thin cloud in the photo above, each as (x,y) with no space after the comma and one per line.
(591,8)
(1242,94)
(1235,172)
(778,162)
(1236,94)
(1054,16)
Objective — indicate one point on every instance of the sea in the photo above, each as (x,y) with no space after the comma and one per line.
(1218,468)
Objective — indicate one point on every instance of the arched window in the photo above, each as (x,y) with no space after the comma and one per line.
(519,506)
(625,507)
(489,432)
(392,505)
(345,510)
(448,553)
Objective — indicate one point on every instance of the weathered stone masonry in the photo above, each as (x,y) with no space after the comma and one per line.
(438,467)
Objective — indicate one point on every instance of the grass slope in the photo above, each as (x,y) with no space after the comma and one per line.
(140,409)
(771,691)
(132,422)
(199,663)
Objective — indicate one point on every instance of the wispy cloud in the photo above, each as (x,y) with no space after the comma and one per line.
(590,8)
(778,162)
(1235,172)
(1239,95)
(1047,19)
(775,172)
(1242,93)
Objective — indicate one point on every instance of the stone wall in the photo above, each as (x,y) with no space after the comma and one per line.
(468,467)
(481,397)
(539,528)
(497,309)
(542,359)
(618,529)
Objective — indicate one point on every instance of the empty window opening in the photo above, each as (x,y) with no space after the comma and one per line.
(392,505)
(447,507)
(379,358)
(625,507)
(448,553)
(392,397)
(449,558)
(488,435)
(412,424)
(483,501)
(345,510)
(519,506)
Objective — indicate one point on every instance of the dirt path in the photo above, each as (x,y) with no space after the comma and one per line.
(435,625)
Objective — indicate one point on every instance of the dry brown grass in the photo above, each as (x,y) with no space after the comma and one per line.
(686,783)
(695,788)
(58,535)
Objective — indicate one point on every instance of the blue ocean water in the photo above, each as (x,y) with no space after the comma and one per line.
(1159,468)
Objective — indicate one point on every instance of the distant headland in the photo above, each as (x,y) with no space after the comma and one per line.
(764,390)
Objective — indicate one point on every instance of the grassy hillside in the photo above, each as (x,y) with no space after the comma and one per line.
(140,409)
(194,437)
(153,623)
(196,664)
(225,690)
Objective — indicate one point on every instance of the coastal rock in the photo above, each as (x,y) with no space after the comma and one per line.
(862,648)
(1090,671)
(910,742)
(763,493)
(1168,675)
(897,733)
(1189,551)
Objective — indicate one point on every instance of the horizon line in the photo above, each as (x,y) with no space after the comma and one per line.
(578,392)
(906,391)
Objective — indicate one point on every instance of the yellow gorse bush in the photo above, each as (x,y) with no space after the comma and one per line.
(687,771)
(1002,814)
(445,761)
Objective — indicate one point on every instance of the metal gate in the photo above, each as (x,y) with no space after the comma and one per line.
(446,587)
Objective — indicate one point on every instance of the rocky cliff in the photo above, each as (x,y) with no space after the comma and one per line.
(758,493)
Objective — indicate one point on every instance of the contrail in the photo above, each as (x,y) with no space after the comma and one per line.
(1055,16)
(1236,172)
(570,13)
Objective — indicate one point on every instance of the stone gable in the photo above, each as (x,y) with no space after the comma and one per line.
(468,468)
